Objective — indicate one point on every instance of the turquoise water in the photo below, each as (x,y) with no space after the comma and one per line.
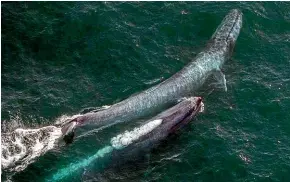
(59,58)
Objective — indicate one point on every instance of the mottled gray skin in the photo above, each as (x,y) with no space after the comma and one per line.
(183,83)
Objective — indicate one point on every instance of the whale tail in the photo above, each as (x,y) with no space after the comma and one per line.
(68,130)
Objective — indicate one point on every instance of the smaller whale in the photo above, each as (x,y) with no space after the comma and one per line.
(129,145)
(160,126)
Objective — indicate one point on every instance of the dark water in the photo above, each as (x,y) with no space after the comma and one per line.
(59,58)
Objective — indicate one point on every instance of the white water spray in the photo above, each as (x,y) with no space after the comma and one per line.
(22,146)
(128,137)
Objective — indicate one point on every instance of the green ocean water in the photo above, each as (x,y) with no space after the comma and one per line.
(59,58)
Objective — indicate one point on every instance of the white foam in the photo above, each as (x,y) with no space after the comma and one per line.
(22,146)
(202,107)
(128,137)
(13,123)
(105,106)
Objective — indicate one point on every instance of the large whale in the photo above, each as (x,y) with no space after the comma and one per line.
(182,84)
(132,144)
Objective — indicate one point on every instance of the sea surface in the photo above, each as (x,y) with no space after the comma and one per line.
(61,58)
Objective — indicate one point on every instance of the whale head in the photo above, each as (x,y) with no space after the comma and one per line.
(228,31)
(180,114)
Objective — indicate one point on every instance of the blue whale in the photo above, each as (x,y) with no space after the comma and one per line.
(182,84)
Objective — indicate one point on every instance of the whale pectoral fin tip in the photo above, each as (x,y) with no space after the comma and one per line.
(221,78)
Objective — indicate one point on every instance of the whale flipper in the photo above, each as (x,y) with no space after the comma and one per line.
(221,78)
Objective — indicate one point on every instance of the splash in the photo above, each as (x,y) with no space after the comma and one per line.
(22,146)
(125,139)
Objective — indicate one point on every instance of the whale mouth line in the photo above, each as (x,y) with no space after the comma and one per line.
(197,107)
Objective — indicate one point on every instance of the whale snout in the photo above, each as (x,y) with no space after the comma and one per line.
(237,17)
(235,12)
(229,29)
(197,105)
(181,114)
